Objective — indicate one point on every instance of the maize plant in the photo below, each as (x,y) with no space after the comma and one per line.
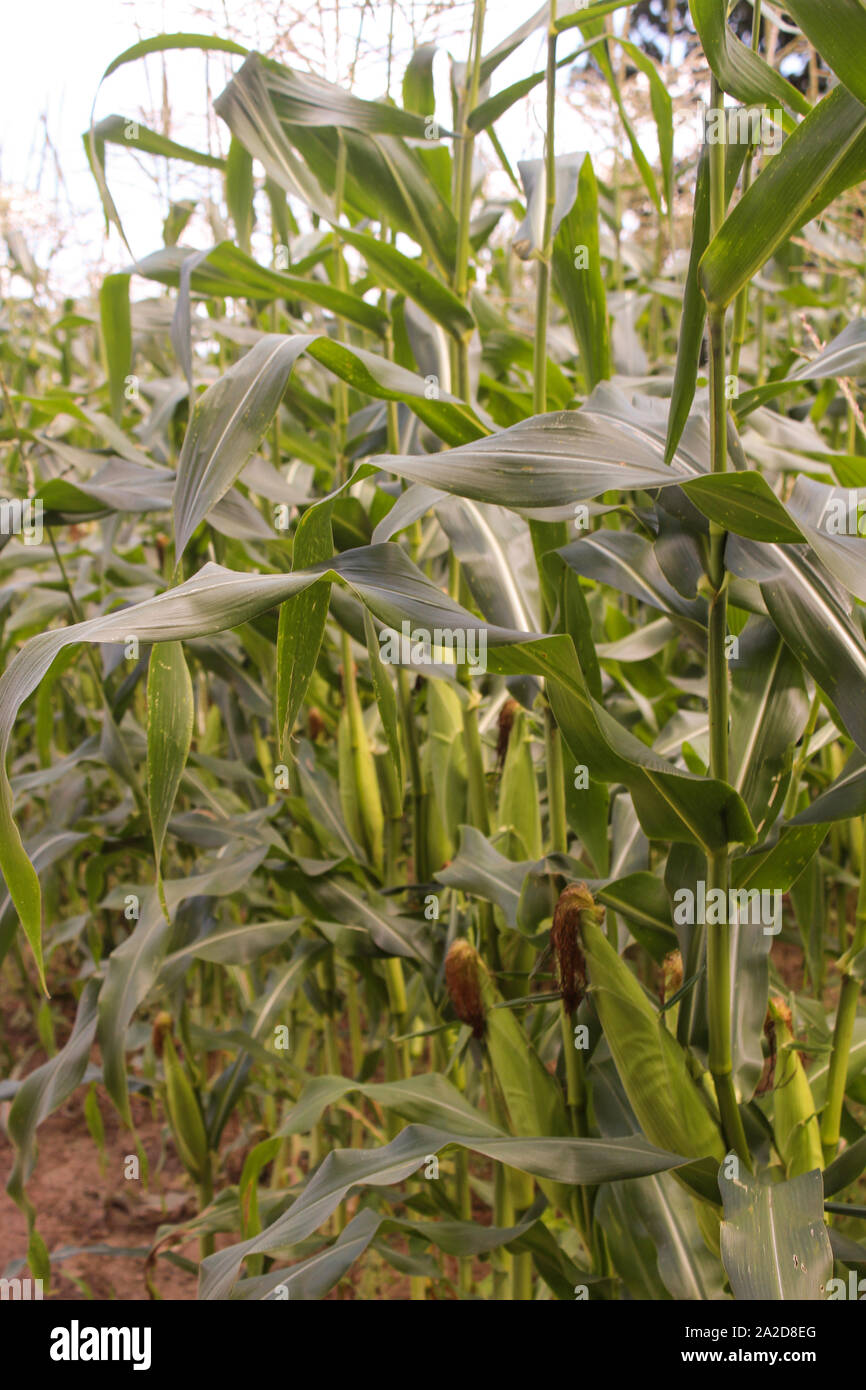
(433,728)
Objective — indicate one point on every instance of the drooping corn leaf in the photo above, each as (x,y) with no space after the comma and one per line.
(746,75)
(561,1160)
(227,271)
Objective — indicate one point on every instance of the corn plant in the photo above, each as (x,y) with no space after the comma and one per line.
(447,659)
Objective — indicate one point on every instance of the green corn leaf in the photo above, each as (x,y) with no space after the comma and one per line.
(670,803)
(116,332)
(844,355)
(769,710)
(232,416)
(837,28)
(385,698)
(427,1099)
(290,121)
(170,710)
(419,94)
(239,192)
(650,1063)
(228,424)
(578,277)
(775,1243)
(410,278)
(746,504)
(559,1159)
(184,1114)
(226,271)
(518,793)
(302,623)
(740,71)
(825,155)
(694,313)
(815,618)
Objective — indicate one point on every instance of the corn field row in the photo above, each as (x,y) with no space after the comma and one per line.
(432,719)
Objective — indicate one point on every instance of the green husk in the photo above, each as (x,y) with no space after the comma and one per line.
(532,1096)
(795,1120)
(651,1063)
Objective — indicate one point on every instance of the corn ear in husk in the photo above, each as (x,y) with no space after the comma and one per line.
(651,1064)
(795,1121)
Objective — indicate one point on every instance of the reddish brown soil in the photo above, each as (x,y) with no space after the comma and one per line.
(77,1204)
(78,1200)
